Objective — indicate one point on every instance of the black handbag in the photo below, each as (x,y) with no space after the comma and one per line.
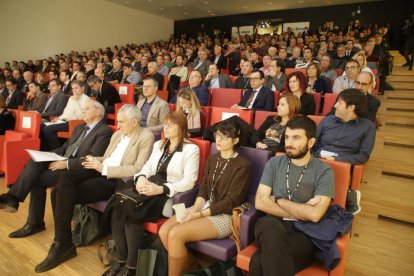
(128,200)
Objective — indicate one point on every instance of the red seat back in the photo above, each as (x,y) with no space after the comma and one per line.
(207,115)
(277,98)
(329,102)
(316,119)
(260,116)
(290,70)
(219,114)
(126,92)
(225,97)
(338,71)
(233,78)
(342,173)
(29,123)
(317,98)
(204,147)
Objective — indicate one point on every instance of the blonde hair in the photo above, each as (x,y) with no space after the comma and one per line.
(188,94)
(364,62)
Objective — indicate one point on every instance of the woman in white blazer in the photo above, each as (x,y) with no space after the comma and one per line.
(173,165)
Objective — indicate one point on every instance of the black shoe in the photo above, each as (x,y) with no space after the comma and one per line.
(126,271)
(9,202)
(58,253)
(353,200)
(27,230)
(115,269)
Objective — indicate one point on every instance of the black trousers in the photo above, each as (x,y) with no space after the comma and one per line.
(77,186)
(48,136)
(129,238)
(35,179)
(283,250)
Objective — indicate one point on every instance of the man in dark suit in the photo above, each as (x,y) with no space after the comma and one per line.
(105,93)
(15,96)
(201,91)
(3,89)
(57,100)
(218,58)
(216,80)
(38,176)
(64,77)
(259,97)
(365,82)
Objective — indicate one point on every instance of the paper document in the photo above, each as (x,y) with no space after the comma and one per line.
(123,90)
(54,123)
(325,153)
(226,115)
(43,156)
(179,211)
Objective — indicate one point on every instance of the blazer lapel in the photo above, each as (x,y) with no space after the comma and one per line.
(131,144)
(152,109)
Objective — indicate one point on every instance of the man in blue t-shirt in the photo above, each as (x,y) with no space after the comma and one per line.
(293,187)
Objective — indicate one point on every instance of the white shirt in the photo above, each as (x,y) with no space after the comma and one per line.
(73,109)
(214,82)
(116,157)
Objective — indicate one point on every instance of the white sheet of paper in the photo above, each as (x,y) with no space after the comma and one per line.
(27,122)
(123,90)
(179,211)
(55,123)
(42,156)
(226,115)
(325,153)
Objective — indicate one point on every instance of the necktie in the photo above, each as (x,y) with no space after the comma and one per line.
(72,149)
(250,99)
(49,100)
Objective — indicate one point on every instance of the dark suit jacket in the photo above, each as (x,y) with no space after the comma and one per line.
(221,62)
(265,99)
(5,93)
(67,89)
(242,83)
(16,99)
(108,96)
(160,80)
(95,143)
(201,92)
(6,121)
(57,105)
(223,81)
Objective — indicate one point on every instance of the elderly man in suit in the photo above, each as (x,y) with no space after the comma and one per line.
(152,107)
(57,100)
(129,149)
(259,97)
(201,63)
(216,80)
(37,176)
(105,93)
(218,58)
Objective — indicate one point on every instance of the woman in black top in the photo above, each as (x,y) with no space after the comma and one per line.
(297,85)
(272,129)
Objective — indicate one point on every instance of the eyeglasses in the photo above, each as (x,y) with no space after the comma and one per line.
(169,125)
(351,68)
(147,86)
(255,79)
(357,83)
(222,137)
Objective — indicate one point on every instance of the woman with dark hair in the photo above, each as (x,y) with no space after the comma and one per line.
(316,83)
(297,85)
(225,186)
(171,168)
(6,118)
(273,128)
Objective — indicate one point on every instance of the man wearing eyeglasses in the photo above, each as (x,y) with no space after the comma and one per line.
(153,108)
(365,83)
(57,100)
(259,97)
(343,82)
